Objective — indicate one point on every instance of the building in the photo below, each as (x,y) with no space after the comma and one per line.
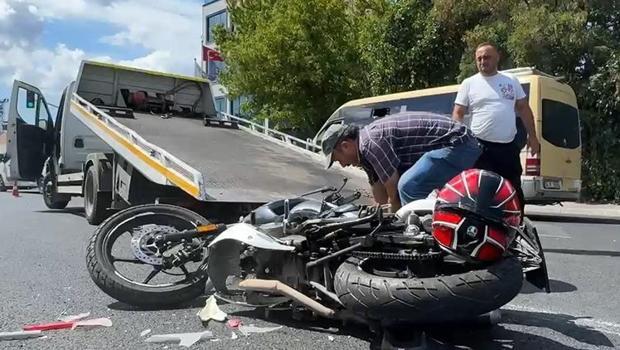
(214,13)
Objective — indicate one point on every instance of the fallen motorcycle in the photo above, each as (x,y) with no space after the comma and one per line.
(452,257)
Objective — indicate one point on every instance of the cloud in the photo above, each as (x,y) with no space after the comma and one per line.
(168,31)
(17,25)
(5,10)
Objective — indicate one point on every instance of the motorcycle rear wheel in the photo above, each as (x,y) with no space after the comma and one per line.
(101,262)
(444,298)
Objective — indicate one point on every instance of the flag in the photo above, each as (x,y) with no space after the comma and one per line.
(215,62)
(209,54)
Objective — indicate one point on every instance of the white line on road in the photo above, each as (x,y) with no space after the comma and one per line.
(554,236)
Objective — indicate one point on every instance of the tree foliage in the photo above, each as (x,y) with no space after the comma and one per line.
(296,59)
(299,60)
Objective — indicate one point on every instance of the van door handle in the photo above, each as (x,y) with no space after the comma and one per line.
(78,143)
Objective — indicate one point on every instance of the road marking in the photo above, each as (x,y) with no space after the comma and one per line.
(598,325)
(554,236)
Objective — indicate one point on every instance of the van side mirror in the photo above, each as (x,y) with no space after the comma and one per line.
(42,124)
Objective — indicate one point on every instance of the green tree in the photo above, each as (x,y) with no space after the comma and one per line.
(300,60)
(297,60)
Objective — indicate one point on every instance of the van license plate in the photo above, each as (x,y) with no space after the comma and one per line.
(552,184)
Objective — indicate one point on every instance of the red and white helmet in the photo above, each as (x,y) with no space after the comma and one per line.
(476,215)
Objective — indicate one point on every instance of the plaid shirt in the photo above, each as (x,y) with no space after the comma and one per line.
(396,142)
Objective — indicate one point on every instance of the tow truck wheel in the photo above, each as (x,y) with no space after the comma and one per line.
(96,203)
(50,197)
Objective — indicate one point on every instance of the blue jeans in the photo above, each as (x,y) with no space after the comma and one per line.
(434,169)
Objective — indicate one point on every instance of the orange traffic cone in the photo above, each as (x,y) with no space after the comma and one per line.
(15,191)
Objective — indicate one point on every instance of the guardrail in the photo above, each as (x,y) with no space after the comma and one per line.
(264,129)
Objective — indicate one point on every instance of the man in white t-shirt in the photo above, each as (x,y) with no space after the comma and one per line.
(492,98)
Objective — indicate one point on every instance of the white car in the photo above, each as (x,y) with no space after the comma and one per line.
(5,184)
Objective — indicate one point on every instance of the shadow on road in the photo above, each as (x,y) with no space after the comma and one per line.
(555,285)
(77,211)
(198,302)
(506,335)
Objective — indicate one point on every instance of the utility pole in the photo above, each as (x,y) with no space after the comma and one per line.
(3,123)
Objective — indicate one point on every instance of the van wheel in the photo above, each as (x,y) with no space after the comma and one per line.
(50,197)
(96,203)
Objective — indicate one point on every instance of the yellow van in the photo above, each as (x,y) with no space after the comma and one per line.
(552,176)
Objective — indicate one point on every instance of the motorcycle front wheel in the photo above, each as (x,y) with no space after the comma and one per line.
(125,257)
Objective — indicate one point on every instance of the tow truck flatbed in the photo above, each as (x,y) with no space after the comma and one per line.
(236,165)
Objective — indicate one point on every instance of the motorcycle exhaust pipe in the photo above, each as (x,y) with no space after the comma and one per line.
(277,287)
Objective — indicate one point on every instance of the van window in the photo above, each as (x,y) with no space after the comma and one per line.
(442,104)
(366,114)
(560,124)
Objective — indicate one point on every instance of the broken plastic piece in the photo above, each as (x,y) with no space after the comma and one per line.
(20,335)
(48,326)
(247,330)
(183,339)
(233,323)
(234,336)
(330,338)
(72,318)
(95,322)
(211,311)
(145,332)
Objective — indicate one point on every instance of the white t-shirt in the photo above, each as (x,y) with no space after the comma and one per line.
(491,103)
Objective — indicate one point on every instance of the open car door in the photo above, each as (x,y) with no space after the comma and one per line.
(30,133)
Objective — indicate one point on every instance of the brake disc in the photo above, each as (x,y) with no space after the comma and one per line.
(145,244)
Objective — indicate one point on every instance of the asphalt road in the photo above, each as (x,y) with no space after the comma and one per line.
(43,274)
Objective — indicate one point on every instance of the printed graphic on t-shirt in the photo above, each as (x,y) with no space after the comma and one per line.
(508,92)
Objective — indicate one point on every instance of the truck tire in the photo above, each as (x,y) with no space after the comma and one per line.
(103,273)
(446,298)
(51,199)
(96,203)
(3,187)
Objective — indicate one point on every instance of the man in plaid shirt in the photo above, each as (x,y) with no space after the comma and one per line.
(406,155)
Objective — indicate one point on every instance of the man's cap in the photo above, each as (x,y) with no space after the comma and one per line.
(329,140)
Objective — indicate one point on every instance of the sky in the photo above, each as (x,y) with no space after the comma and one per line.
(42,42)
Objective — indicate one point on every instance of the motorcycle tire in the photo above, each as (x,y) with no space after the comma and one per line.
(444,298)
(102,271)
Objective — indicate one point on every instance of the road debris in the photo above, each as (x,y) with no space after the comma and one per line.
(211,311)
(183,339)
(72,318)
(145,332)
(52,326)
(247,330)
(233,323)
(234,336)
(330,338)
(93,323)
(20,335)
